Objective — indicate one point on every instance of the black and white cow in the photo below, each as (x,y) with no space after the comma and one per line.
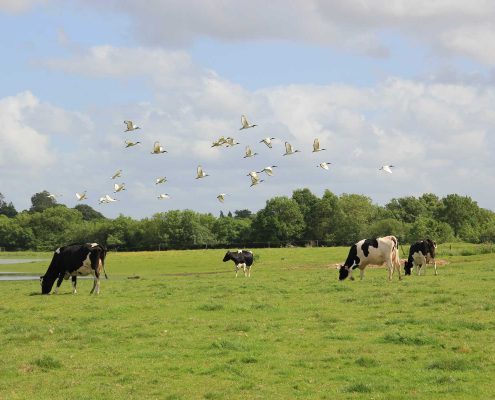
(372,251)
(72,261)
(242,259)
(421,253)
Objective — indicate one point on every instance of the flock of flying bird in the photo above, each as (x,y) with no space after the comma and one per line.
(200,173)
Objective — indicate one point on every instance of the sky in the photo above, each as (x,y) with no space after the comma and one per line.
(396,82)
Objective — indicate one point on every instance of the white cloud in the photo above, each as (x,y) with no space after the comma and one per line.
(19,6)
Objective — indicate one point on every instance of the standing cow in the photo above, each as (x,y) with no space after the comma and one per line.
(242,259)
(421,253)
(72,261)
(372,251)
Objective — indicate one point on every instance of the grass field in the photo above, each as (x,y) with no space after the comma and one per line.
(187,329)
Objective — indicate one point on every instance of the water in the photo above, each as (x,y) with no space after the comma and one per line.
(19,276)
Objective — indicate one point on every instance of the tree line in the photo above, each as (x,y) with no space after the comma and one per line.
(301,219)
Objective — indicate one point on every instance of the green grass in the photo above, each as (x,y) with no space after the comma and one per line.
(187,329)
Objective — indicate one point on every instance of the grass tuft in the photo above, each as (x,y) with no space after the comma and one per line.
(47,363)
(450,364)
(358,388)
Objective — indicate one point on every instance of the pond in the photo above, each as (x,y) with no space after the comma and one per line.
(19,276)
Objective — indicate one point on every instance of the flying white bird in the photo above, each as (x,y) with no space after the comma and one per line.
(268,170)
(316,146)
(386,168)
(324,165)
(81,196)
(107,199)
(255,179)
(163,196)
(253,174)
(245,124)
(219,142)
(53,196)
(117,174)
(131,126)
(200,173)
(249,152)
(129,143)
(221,197)
(157,149)
(289,150)
(118,188)
(230,142)
(267,141)
(160,180)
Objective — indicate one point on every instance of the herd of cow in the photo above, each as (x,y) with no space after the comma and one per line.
(89,259)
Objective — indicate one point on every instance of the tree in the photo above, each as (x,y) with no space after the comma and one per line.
(40,201)
(13,236)
(245,213)
(357,212)
(231,230)
(459,212)
(7,209)
(308,204)
(280,220)
(408,208)
(88,212)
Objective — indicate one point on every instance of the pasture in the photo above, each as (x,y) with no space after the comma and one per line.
(184,328)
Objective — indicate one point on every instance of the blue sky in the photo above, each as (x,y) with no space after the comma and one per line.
(409,85)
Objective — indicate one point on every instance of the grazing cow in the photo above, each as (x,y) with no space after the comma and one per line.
(242,259)
(372,251)
(72,261)
(421,253)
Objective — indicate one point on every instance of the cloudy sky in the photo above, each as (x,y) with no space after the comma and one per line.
(401,82)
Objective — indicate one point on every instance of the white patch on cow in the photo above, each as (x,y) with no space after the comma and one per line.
(94,244)
(57,251)
(85,268)
(56,290)
(74,291)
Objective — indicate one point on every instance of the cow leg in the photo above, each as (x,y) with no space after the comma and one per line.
(249,272)
(236,270)
(96,283)
(74,284)
(361,273)
(59,282)
(435,266)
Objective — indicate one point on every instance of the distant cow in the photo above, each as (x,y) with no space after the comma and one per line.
(242,259)
(421,253)
(372,251)
(72,261)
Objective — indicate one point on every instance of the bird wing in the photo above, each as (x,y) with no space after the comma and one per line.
(288,148)
(129,124)
(244,121)
(199,171)
(156,147)
(316,145)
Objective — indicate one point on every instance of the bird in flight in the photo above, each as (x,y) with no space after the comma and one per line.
(267,141)
(107,199)
(118,188)
(117,174)
(316,146)
(81,196)
(131,126)
(200,173)
(130,143)
(268,170)
(245,124)
(324,165)
(221,197)
(160,180)
(157,149)
(163,196)
(255,179)
(53,196)
(386,168)
(249,152)
(289,150)
(230,142)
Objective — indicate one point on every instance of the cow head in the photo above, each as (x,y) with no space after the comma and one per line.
(47,282)
(343,272)
(227,256)
(407,267)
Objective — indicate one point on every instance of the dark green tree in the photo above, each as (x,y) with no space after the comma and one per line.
(7,209)
(88,212)
(40,201)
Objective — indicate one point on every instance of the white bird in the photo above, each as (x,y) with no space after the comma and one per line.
(386,168)
(219,142)
(53,196)
(160,180)
(229,142)
(81,196)
(221,197)
(107,199)
(117,174)
(253,174)
(249,152)
(129,143)
(118,188)
(267,141)
(316,146)
(200,173)
(289,150)
(157,149)
(131,126)
(324,165)
(163,196)
(268,170)
(245,124)
(255,180)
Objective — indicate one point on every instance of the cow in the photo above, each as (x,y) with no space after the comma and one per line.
(242,259)
(421,253)
(72,261)
(372,251)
